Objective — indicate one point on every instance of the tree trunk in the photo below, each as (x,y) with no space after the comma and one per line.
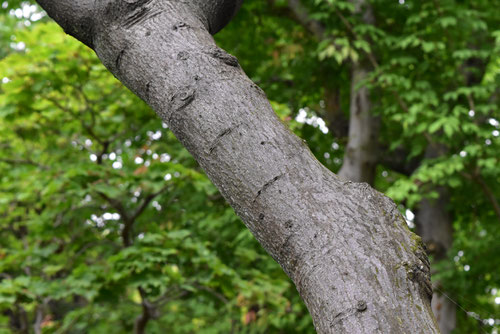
(344,245)
(434,225)
(360,157)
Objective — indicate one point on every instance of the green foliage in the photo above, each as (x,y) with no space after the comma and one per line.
(101,208)
(435,80)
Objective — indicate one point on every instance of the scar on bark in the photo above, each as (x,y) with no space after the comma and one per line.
(215,143)
(360,307)
(181,99)
(180,25)
(183,55)
(223,56)
(284,248)
(266,185)
(419,273)
(338,317)
(258,89)
(148,89)
(140,15)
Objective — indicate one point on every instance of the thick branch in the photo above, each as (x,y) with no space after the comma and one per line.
(345,246)
(74,16)
(302,15)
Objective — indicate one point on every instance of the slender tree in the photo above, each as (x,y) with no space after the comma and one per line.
(345,246)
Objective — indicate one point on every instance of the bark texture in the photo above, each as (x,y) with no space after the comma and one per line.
(345,246)
(434,225)
(360,158)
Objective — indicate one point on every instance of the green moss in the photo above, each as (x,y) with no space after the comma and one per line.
(417,242)
(404,246)
(402,222)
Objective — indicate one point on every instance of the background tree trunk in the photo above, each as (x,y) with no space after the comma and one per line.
(360,158)
(434,225)
(345,246)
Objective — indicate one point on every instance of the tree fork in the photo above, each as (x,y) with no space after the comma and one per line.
(345,246)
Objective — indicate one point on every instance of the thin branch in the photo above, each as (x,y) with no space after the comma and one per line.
(23,162)
(146,202)
(301,14)
(476,176)
(350,28)
(129,220)
(75,116)
(147,313)
(214,293)
(371,58)
(169,296)
(88,245)
(117,205)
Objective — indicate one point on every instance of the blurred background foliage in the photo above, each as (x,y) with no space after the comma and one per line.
(107,225)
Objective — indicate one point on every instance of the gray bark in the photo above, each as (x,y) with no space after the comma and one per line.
(301,14)
(344,245)
(360,158)
(434,225)
(334,116)
(336,120)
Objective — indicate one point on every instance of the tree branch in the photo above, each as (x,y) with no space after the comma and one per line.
(146,202)
(318,227)
(477,177)
(129,220)
(74,16)
(24,162)
(147,313)
(301,14)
